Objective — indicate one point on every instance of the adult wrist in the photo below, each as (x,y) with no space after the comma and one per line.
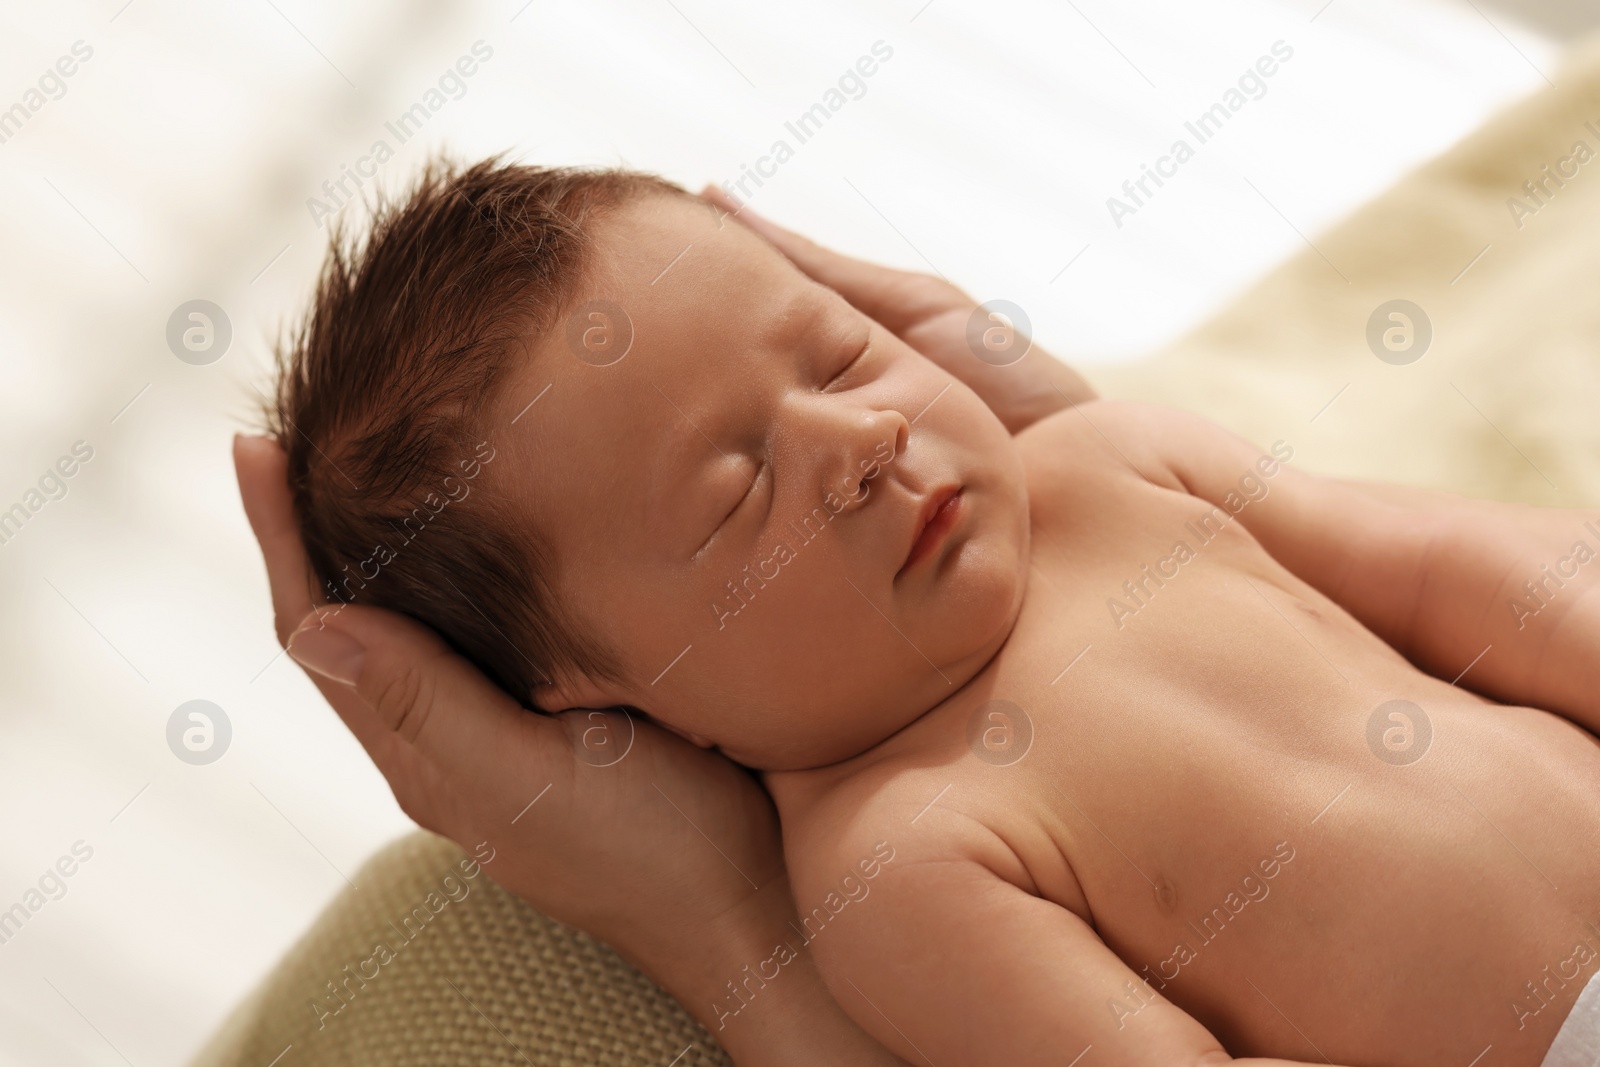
(751,981)
(1048,386)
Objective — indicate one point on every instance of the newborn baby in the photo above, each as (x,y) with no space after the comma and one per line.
(1116,741)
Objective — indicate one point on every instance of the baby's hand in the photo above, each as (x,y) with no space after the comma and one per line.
(932,316)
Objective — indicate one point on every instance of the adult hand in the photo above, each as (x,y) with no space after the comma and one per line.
(670,853)
(931,315)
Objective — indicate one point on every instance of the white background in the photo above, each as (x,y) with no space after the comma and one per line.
(178,165)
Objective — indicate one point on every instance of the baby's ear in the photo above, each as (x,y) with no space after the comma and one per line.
(703,742)
(694,739)
(564,694)
(543,698)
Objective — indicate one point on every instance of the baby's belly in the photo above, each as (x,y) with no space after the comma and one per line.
(1370,914)
(1309,870)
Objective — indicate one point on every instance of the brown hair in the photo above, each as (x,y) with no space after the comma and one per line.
(383,396)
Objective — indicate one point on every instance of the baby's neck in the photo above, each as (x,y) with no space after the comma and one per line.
(792,790)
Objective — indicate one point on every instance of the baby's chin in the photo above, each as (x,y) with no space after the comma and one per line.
(979,605)
(976,599)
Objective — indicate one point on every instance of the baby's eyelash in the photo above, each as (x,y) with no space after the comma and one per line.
(846,368)
(754,482)
(748,493)
(717,529)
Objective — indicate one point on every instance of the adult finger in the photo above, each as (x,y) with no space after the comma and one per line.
(263,485)
(929,314)
(262,469)
(428,697)
(897,299)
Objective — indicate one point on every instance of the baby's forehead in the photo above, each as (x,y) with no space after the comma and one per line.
(681,311)
(660,252)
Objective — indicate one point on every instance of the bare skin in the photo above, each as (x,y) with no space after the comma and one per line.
(1220,730)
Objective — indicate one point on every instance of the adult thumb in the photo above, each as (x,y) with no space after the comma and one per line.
(413,685)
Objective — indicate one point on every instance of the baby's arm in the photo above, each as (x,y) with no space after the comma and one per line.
(945,962)
(1450,582)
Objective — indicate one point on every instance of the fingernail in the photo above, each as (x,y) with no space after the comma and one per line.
(328,652)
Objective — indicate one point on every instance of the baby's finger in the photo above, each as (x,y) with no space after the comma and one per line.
(897,299)
(262,469)
(424,695)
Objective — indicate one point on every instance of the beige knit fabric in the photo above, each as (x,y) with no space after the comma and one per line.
(1503,404)
(483,980)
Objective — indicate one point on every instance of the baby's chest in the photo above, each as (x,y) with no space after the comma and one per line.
(1118,817)
(1136,771)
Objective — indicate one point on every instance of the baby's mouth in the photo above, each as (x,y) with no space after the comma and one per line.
(937,519)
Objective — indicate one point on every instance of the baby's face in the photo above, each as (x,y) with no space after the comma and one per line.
(735,502)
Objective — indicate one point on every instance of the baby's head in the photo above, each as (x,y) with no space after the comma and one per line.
(618,450)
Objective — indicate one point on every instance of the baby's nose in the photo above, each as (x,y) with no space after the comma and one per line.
(871,444)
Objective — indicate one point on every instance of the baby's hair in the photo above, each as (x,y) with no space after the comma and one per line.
(384,399)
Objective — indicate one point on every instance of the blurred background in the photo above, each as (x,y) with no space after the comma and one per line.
(184,158)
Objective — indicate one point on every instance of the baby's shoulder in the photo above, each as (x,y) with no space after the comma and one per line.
(1111,438)
(883,807)
(1092,417)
